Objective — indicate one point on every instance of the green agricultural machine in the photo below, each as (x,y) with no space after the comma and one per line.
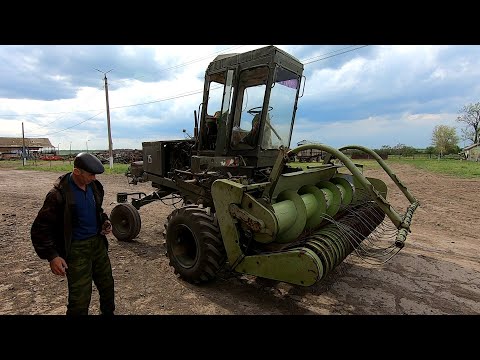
(243,205)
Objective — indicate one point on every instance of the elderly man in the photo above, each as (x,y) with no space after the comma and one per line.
(69,232)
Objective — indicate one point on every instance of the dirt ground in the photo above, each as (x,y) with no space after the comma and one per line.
(437,272)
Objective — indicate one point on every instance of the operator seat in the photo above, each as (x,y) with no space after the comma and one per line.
(252,137)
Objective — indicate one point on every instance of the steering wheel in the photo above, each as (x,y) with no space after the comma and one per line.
(258,110)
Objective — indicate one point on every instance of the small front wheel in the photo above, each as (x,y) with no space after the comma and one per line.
(126,222)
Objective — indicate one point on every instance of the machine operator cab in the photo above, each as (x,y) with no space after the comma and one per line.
(257,94)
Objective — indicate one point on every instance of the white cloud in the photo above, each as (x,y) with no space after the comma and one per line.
(372,96)
(374,132)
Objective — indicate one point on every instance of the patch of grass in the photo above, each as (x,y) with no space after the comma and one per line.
(56,166)
(458,168)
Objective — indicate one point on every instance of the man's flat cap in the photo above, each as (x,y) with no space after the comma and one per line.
(88,162)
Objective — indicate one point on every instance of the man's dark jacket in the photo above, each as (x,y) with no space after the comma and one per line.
(51,231)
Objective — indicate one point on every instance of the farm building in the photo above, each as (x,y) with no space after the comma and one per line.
(12,147)
(472,152)
(310,155)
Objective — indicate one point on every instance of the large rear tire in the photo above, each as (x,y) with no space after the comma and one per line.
(126,222)
(194,245)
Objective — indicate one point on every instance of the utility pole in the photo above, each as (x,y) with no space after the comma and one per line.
(110,151)
(24,161)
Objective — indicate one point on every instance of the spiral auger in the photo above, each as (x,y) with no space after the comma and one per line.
(362,228)
(354,232)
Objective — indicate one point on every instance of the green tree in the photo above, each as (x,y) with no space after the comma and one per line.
(398,149)
(444,139)
(470,115)
(409,151)
(430,150)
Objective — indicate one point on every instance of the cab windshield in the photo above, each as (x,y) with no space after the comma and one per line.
(278,121)
(278,126)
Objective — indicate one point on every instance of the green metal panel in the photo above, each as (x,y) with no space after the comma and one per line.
(153,157)
(299,266)
(226,192)
(361,194)
(295,180)
(250,204)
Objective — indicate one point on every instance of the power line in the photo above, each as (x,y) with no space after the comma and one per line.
(328,53)
(180,65)
(320,57)
(124,106)
(166,99)
(56,132)
(326,57)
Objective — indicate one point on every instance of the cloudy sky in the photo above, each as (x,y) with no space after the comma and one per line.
(371,95)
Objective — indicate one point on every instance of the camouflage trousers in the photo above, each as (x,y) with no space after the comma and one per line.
(88,261)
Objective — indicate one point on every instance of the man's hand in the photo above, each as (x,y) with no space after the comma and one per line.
(58,266)
(106,228)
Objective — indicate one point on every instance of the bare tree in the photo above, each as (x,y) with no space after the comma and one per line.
(444,139)
(470,115)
